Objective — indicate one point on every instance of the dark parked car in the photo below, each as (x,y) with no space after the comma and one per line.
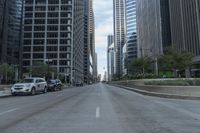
(54,85)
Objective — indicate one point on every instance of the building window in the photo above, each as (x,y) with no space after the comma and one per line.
(29,2)
(38,55)
(40,15)
(52,35)
(27,42)
(29,9)
(27,35)
(52,41)
(39,21)
(37,2)
(52,21)
(52,48)
(39,28)
(28,21)
(53,8)
(27,28)
(52,28)
(26,56)
(53,14)
(38,42)
(52,55)
(53,1)
(26,63)
(38,48)
(27,49)
(40,8)
(39,35)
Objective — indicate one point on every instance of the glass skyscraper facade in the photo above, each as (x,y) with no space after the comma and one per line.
(10,30)
(131,30)
(153,27)
(119,34)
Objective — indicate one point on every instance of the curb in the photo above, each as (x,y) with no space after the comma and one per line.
(161,95)
(5,95)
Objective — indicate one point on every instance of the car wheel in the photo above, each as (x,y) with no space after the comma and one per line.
(45,90)
(33,91)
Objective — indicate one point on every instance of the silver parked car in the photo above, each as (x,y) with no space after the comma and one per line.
(30,86)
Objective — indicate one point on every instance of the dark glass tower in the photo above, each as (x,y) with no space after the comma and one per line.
(10,30)
(153,27)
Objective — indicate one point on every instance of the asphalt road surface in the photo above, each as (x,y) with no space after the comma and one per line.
(98,109)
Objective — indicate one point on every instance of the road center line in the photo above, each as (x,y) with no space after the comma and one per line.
(8,111)
(98,112)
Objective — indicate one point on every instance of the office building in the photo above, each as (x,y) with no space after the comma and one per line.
(185,29)
(54,29)
(119,34)
(185,25)
(131,30)
(89,43)
(10,31)
(153,27)
(110,40)
(110,57)
(110,47)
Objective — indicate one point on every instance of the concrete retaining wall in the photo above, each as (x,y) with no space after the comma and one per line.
(5,87)
(174,90)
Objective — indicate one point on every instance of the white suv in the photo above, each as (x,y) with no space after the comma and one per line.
(30,86)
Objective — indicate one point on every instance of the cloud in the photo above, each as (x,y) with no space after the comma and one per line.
(103,10)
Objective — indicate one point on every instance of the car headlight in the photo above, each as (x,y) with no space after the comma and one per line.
(29,85)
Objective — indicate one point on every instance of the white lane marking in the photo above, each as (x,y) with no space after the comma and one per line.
(8,111)
(98,112)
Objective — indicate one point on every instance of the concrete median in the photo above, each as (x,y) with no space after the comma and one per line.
(179,92)
(5,90)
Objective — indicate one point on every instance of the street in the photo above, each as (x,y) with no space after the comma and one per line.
(98,108)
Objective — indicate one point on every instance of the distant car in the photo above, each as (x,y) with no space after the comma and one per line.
(29,86)
(79,84)
(54,84)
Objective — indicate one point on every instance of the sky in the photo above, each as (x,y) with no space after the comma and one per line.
(103,10)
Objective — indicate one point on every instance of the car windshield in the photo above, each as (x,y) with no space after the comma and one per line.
(27,81)
(51,81)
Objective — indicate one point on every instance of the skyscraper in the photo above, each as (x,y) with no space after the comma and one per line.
(131,30)
(185,25)
(130,48)
(111,61)
(153,27)
(89,43)
(119,34)
(54,29)
(185,28)
(110,57)
(10,30)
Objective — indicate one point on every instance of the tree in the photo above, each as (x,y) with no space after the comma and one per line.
(41,69)
(173,61)
(139,66)
(7,72)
